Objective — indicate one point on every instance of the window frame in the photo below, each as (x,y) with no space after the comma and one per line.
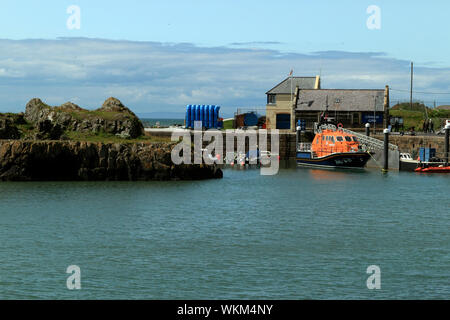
(272,99)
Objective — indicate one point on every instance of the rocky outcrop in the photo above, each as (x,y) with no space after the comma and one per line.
(112,118)
(9,125)
(8,130)
(71,161)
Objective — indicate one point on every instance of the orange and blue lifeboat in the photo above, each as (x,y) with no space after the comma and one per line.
(333,149)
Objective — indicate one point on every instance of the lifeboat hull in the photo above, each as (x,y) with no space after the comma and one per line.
(347,160)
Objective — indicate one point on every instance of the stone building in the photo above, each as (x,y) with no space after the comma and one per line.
(352,108)
(281,101)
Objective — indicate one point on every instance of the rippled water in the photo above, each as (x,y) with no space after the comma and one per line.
(301,234)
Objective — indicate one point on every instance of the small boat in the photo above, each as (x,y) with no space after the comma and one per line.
(434,169)
(332,149)
(407,163)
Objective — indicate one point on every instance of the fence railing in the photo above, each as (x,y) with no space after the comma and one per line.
(304,147)
(367,143)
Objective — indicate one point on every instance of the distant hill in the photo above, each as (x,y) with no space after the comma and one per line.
(407,107)
(443,108)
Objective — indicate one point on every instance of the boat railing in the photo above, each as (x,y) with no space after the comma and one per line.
(319,128)
(367,143)
(304,147)
(370,143)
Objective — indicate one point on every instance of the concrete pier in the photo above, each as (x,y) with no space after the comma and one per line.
(287,141)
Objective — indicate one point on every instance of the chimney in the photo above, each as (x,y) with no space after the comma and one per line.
(317,85)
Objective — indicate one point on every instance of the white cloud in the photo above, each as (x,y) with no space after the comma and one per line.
(152,77)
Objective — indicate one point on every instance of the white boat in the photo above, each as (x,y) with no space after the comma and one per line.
(407,163)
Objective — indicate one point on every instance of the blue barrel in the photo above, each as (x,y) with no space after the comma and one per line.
(216,116)
(197,113)
(207,116)
(213,122)
(250,119)
(202,110)
(192,116)
(188,116)
(204,116)
(211,116)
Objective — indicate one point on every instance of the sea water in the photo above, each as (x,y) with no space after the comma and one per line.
(301,234)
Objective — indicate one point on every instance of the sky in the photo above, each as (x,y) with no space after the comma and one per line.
(157,56)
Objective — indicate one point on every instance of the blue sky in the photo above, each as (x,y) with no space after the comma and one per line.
(247,47)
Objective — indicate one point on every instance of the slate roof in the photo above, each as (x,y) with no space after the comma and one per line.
(340,100)
(285,85)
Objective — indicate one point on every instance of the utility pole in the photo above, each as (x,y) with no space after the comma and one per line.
(411,92)
(375,115)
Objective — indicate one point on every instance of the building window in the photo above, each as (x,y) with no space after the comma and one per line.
(271,99)
(283,121)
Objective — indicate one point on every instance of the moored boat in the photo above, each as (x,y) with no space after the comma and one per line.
(407,163)
(434,169)
(332,149)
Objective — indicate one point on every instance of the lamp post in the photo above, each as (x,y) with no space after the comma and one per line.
(368,129)
(375,116)
(447,133)
(386,150)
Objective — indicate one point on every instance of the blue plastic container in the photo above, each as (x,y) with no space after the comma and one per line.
(426,154)
(203,116)
(250,119)
(202,113)
(197,114)
(216,116)
(192,116)
(188,116)
(211,116)
(206,117)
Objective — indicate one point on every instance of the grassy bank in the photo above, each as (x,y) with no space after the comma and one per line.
(415,116)
(110,138)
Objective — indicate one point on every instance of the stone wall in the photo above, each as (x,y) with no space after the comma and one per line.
(287,148)
(412,144)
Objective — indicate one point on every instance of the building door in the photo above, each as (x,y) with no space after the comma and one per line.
(283,121)
(356,120)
